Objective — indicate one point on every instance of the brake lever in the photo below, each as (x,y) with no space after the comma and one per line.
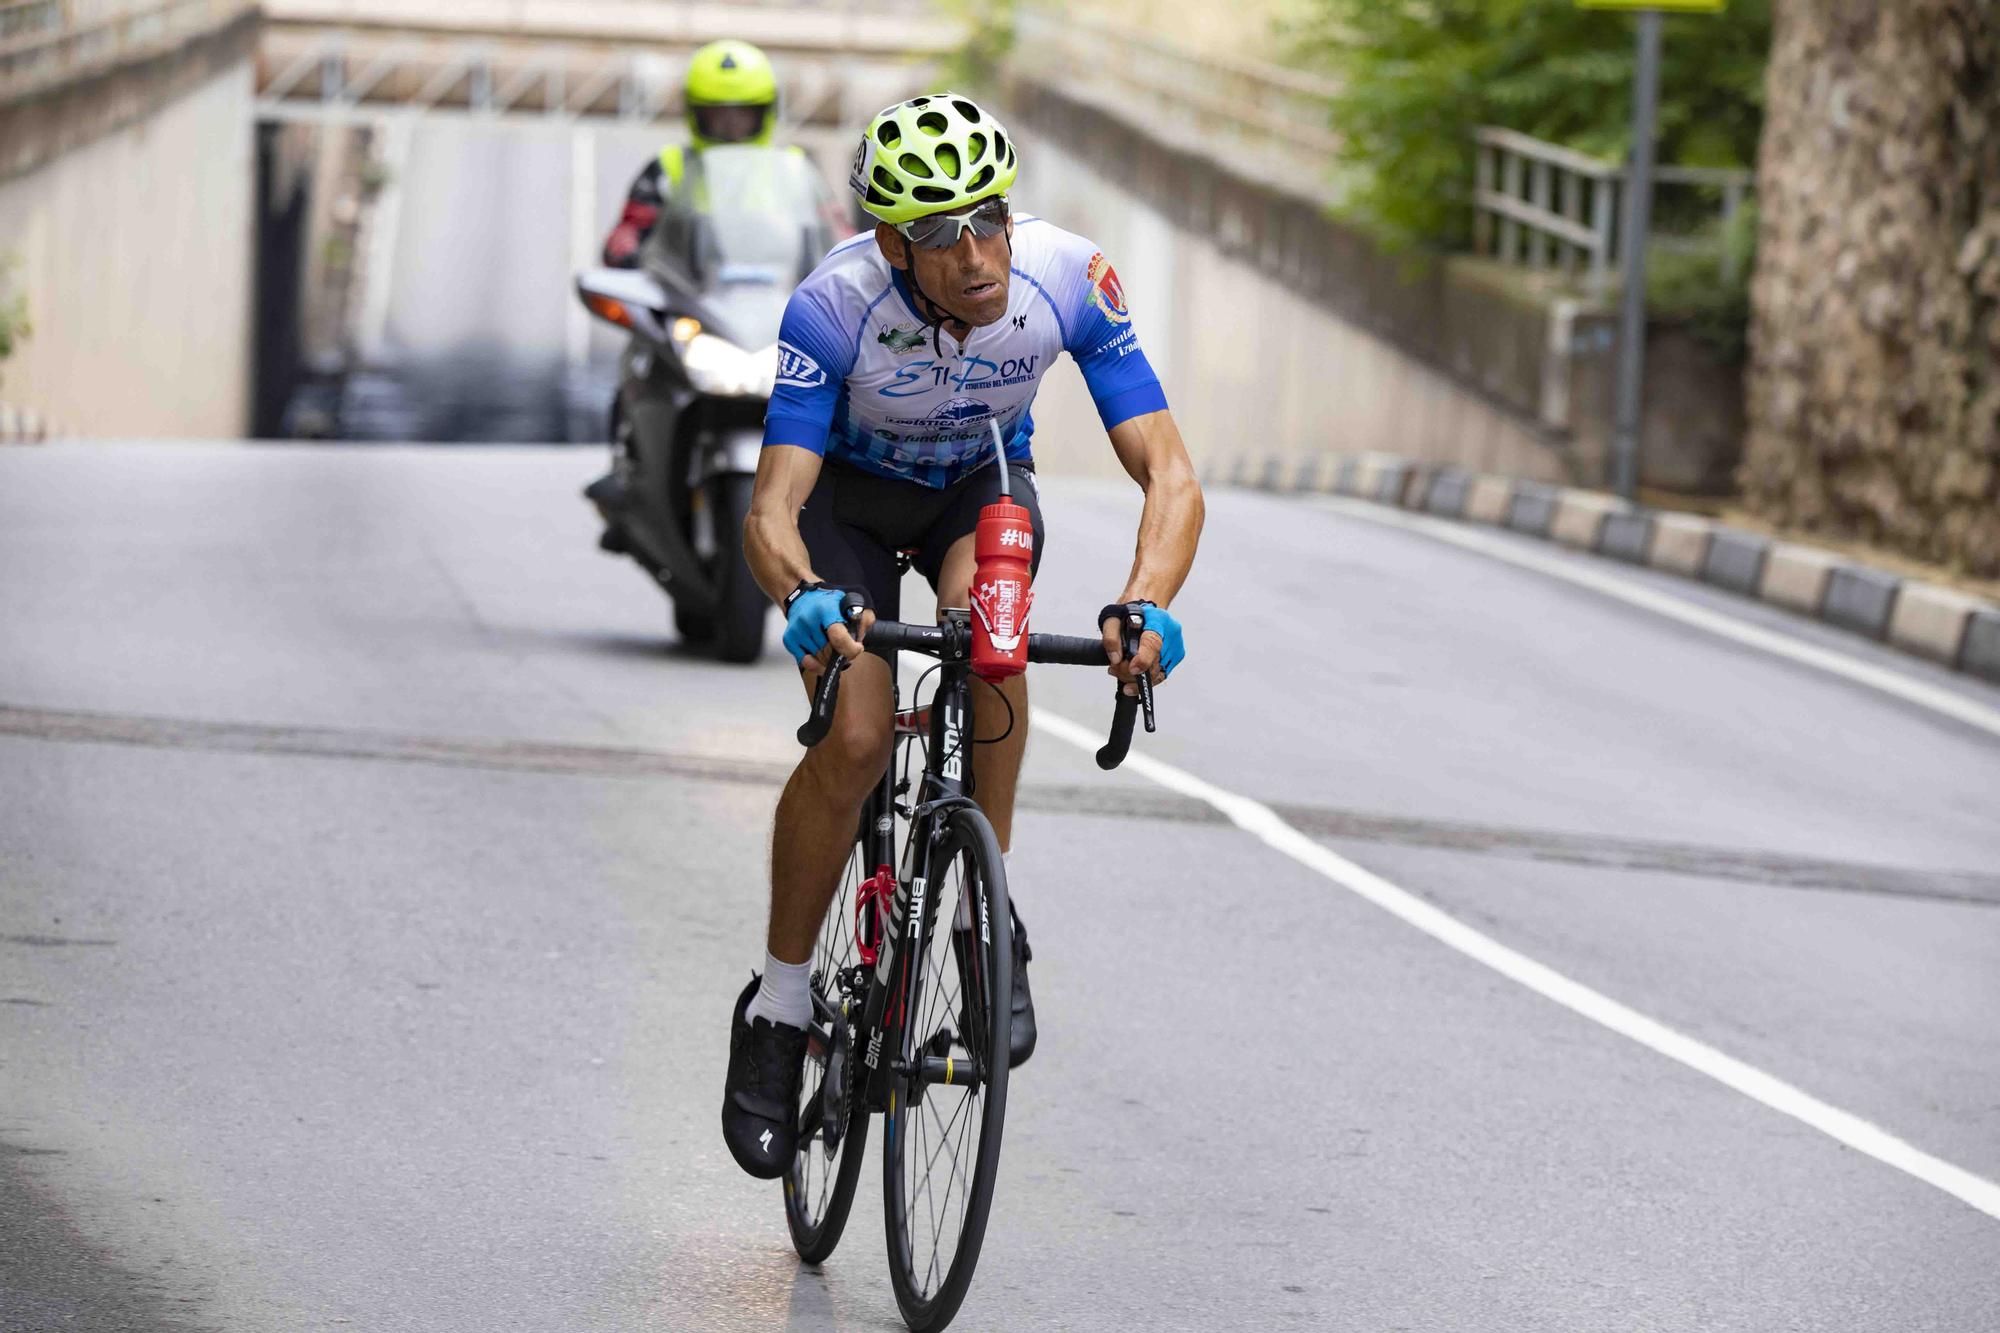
(1129,633)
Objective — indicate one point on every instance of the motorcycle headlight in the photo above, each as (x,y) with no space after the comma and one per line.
(720,367)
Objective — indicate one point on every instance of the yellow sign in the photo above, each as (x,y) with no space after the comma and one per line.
(1668,6)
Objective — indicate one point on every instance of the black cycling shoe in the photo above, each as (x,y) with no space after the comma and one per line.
(760,1100)
(1021,1037)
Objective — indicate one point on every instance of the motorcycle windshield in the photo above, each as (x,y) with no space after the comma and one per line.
(745,226)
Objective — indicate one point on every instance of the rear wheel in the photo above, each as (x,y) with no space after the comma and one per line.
(941,1137)
(833,1122)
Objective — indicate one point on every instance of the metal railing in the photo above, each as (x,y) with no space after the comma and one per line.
(1268,108)
(44,43)
(1546,206)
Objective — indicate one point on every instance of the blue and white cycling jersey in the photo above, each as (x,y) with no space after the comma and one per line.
(860,379)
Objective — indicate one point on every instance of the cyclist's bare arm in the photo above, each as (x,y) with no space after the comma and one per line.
(771,541)
(1151,449)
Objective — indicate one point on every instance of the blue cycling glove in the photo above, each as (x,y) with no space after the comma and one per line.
(812,610)
(1172,649)
(1159,621)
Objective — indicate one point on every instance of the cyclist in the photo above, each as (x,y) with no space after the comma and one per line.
(732,98)
(896,358)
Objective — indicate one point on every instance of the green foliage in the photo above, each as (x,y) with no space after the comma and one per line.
(1420,75)
(1706,284)
(14,328)
(991,24)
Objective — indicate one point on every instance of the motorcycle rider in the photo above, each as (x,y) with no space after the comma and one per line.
(732,98)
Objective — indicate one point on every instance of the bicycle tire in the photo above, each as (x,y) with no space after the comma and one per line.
(817,1203)
(923,1127)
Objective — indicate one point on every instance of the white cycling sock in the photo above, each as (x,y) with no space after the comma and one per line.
(784,995)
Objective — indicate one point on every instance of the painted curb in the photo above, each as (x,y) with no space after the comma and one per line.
(1489,500)
(1979,655)
(1448,494)
(1930,621)
(1680,544)
(1860,599)
(1795,577)
(1627,536)
(1923,619)
(1580,518)
(1735,561)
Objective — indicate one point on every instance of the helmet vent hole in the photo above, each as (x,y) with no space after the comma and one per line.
(931,194)
(915,165)
(887,181)
(975,147)
(880,200)
(933,123)
(966,109)
(980,181)
(947,160)
(918,101)
(888,134)
(1001,148)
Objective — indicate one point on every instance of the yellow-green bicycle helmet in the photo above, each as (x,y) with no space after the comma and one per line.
(929,155)
(728,74)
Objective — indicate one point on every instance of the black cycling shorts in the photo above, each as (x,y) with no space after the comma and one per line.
(855,522)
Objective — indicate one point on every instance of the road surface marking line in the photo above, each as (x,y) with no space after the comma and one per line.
(1263,823)
(1910,690)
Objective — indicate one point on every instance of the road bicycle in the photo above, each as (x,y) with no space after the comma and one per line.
(911,980)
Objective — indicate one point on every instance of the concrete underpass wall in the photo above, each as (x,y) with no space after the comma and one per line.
(1251,365)
(134,253)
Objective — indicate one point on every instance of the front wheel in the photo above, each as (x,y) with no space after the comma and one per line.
(740,607)
(941,1137)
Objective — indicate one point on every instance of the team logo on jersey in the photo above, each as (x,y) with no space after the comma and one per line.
(900,341)
(797,369)
(1106,291)
(962,410)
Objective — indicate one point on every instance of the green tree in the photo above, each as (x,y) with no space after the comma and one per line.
(13,312)
(1418,76)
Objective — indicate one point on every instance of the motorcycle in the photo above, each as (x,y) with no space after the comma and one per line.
(703,310)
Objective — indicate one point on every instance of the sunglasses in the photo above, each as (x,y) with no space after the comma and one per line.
(941,231)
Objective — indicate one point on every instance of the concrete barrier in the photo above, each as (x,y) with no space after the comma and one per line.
(1735,561)
(1796,577)
(1931,621)
(1489,500)
(1680,543)
(1860,599)
(1580,515)
(1980,653)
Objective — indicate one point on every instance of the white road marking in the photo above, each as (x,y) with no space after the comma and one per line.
(1263,823)
(1955,706)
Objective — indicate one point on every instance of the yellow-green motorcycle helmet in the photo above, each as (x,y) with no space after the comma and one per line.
(723,77)
(930,155)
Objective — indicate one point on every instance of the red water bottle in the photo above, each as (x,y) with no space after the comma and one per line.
(1002,589)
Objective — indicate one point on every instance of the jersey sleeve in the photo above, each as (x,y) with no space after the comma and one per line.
(815,355)
(1100,337)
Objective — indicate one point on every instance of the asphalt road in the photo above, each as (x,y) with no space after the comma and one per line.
(375,877)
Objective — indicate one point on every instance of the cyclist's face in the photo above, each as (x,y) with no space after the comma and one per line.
(969,279)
